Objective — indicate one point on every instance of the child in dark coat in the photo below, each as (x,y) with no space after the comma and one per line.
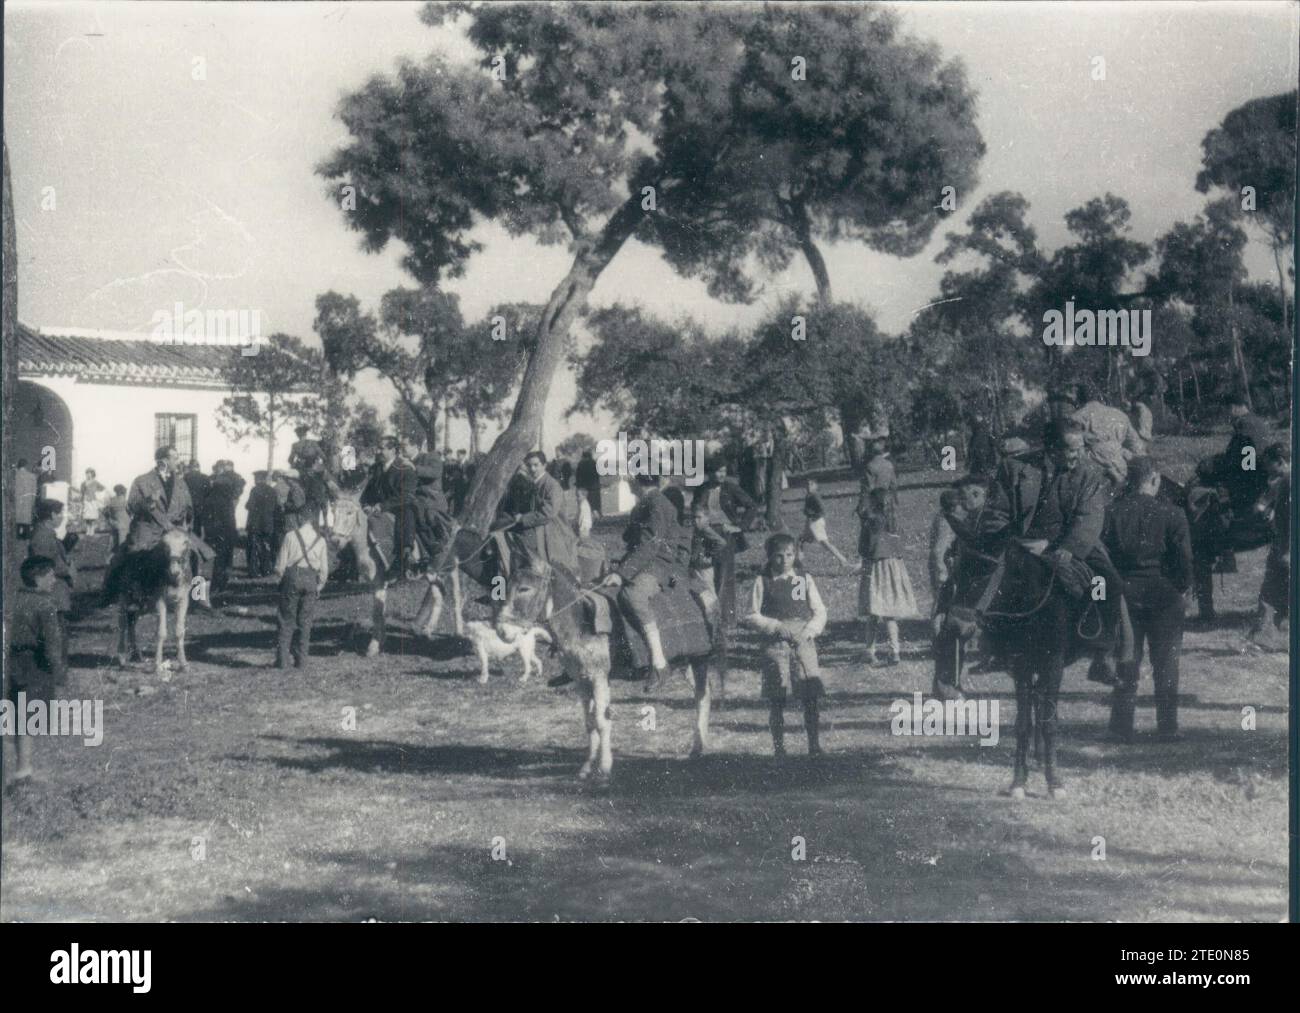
(37,649)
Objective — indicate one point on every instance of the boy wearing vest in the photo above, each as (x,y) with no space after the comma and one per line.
(787,608)
(37,651)
(303,567)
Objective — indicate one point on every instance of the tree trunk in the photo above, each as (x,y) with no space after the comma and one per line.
(446,427)
(9,389)
(1281,282)
(803,233)
(471,417)
(270,432)
(776,471)
(566,302)
(1238,356)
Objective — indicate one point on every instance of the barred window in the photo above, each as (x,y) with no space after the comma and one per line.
(179,431)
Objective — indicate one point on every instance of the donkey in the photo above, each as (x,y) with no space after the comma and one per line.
(350,526)
(552,599)
(1032,621)
(154,578)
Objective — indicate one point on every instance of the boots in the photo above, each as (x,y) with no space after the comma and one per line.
(1123,706)
(1167,710)
(812,724)
(776,723)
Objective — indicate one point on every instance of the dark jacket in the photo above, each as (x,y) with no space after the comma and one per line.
(1038,501)
(154,511)
(199,485)
(736,505)
(223,495)
(587,476)
(879,474)
(657,542)
(391,488)
(45,542)
(35,639)
(261,509)
(542,526)
(1150,545)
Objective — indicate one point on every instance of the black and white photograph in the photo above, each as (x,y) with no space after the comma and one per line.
(649,462)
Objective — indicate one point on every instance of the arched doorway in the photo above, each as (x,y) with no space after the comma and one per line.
(41,424)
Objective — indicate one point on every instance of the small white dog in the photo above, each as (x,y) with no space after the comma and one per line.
(491,647)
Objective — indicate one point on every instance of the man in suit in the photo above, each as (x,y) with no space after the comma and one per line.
(198,485)
(1149,543)
(1056,503)
(535,519)
(223,496)
(260,530)
(159,501)
(391,489)
(587,477)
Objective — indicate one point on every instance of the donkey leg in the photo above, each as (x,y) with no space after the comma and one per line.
(1048,691)
(377,630)
(593,734)
(700,669)
(120,659)
(1024,727)
(182,609)
(162,635)
(604,726)
(430,610)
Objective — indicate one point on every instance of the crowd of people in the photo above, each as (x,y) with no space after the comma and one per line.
(1073,483)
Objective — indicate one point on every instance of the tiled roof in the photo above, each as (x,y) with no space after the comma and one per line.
(117,361)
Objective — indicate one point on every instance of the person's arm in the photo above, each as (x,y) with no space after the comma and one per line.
(815,625)
(1084,531)
(322,564)
(52,638)
(282,557)
(136,502)
(1134,445)
(1179,547)
(547,507)
(755,618)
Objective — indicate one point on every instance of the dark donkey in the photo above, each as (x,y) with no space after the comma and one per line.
(1030,619)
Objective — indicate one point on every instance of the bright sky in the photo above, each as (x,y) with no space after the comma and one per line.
(170,188)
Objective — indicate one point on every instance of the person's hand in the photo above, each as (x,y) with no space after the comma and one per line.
(1060,556)
(613,580)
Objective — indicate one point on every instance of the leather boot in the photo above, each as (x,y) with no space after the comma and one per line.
(812,724)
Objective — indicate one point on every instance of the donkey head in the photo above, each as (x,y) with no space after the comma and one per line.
(176,544)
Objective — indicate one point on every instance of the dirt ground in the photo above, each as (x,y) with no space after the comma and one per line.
(238,792)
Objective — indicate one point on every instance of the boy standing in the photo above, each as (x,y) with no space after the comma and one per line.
(303,567)
(787,607)
(37,651)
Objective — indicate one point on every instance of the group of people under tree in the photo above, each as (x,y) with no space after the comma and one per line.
(1073,483)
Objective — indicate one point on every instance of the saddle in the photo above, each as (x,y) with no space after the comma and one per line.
(684,629)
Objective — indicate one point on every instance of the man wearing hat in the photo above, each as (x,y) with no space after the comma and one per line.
(304,451)
(159,501)
(391,489)
(223,495)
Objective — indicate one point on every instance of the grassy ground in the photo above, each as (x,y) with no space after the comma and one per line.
(235,791)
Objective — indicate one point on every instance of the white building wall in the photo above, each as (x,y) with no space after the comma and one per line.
(113,431)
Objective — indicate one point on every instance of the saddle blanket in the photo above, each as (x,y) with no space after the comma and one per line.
(682,628)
